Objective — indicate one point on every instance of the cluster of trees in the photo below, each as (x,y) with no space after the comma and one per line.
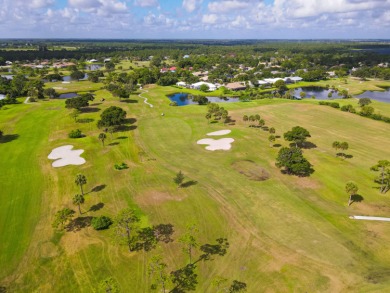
(79,102)
(372,72)
(64,217)
(217,113)
(291,159)
(365,110)
(337,145)
(252,119)
(112,116)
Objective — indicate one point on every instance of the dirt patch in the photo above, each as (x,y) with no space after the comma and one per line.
(251,170)
(305,182)
(152,198)
(48,249)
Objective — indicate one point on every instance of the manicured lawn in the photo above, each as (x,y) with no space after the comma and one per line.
(286,234)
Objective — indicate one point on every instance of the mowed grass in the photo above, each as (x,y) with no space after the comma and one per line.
(285,233)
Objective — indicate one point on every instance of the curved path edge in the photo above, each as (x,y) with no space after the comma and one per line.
(145,99)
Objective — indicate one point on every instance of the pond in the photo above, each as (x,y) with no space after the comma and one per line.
(185,99)
(379,96)
(67,95)
(319,92)
(67,77)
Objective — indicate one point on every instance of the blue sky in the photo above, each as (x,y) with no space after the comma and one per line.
(206,19)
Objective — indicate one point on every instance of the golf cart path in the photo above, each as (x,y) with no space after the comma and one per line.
(145,99)
(383,219)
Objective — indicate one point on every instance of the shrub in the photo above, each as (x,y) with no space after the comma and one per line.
(121,166)
(335,105)
(75,134)
(101,223)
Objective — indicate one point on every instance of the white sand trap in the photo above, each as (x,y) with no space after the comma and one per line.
(65,156)
(217,144)
(370,218)
(219,132)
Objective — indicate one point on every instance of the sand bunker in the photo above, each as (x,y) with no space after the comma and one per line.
(65,156)
(220,132)
(217,144)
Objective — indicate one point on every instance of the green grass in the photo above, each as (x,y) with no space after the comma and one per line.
(287,234)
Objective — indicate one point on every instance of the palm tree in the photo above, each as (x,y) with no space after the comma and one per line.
(336,146)
(78,199)
(245,118)
(80,181)
(272,130)
(102,137)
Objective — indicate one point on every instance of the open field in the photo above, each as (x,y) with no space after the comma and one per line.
(286,234)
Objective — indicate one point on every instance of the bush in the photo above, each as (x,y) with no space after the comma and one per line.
(101,223)
(121,166)
(75,134)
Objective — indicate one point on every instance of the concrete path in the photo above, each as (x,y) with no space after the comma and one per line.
(26,101)
(370,218)
(145,99)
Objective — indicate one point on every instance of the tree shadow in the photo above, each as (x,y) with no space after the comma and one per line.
(78,223)
(163,232)
(129,101)
(90,110)
(130,121)
(113,143)
(344,156)
(303,173)
(305,145)
(265,128)
(308,145)
(96,104)
(277,136)
(9,137)
(188,183)
(85,120)
(356,198)
(121,137)
(3,289)
(209,250)
(96,207)
(126,127)
(98,188)
(277,145)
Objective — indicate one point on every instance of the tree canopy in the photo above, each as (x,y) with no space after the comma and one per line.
(293,162)
(112,116)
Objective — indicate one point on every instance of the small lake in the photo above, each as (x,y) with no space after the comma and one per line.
(319,92)
(67,95)
(185,99)
(67,77)
(378,96)
(2,97)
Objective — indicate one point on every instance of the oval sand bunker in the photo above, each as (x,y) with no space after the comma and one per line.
(219,132)
(65,156)
(217,144)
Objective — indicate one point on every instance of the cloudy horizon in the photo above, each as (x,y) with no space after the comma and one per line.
(195,19)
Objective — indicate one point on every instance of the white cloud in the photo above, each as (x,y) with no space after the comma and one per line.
(191,5)
(146,3)
(228,5)
(209,18)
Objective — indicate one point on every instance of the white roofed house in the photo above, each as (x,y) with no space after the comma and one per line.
(181,83)
(196,86)
(292,79)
